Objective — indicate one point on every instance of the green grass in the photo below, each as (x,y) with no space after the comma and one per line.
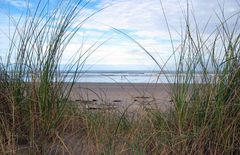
(33,105)
(37,118)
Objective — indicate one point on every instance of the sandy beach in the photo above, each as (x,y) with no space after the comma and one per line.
(121,95)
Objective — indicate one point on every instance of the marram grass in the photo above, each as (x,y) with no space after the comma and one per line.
(37,118)
(33,104)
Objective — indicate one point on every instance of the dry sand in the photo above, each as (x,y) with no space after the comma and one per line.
(122,95)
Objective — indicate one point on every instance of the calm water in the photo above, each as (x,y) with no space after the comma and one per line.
(128,77)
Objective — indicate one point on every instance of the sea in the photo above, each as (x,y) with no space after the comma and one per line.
(123,76)
(126,76)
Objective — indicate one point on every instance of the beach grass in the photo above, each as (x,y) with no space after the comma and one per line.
(37,117)
(33,104)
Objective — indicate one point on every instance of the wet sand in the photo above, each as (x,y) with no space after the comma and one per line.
(121,95)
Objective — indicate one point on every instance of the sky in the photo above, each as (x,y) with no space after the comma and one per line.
(143,20)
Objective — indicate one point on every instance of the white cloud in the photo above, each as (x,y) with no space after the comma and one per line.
(142,15)
(19,3)
(144,21)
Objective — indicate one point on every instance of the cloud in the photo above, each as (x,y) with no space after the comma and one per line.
(19,3)
(144,21)
(142,15)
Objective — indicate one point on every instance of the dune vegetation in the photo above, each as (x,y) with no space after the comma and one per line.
(36,116)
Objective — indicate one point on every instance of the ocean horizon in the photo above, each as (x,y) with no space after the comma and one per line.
(126,76)
(119,74)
